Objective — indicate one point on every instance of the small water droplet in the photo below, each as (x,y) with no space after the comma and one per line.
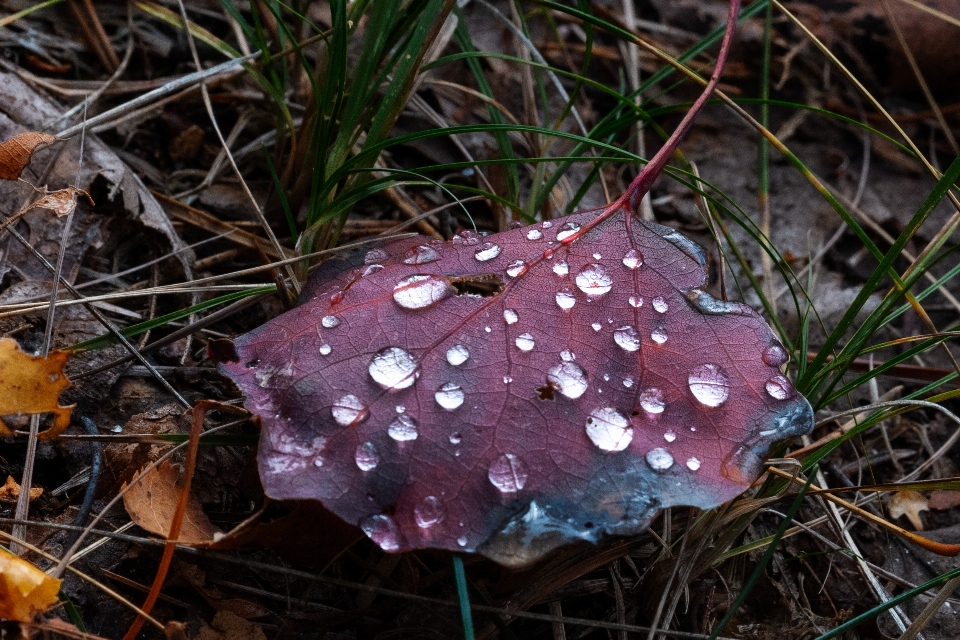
(660,305)
(627,338)
(635,301)
(510,316)
(534,234)
(449,396)
(487,329)
(779,388)
(568,378)
(628,382)
(567,230)
(659,335)
(421,291)
(597,256)
(383,531)
(117,429)
(594,280)
(609,429)
(428,513)
(561,268)
(596,326)
(652,400)
(403,429)
(567,356)
(486,251)
(467,237)
(516,268)
(524,342)
(507,379)
(693,464)
(325,349)
(565,299)
(462,541)
(669,436)
(709,384)
(374,256)
(372,269)
(349,411)
(367,457)
(546,224)
(457,355)
(632,259)
(456,438)
(774,355)
(329,322)
(508,473)
(606,377)
(659,459)
(420,255)
(394,368)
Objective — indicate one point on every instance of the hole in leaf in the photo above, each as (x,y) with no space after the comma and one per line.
(486,285)
(545,392)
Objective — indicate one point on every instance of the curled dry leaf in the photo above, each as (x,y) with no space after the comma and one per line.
(31,385)
(25,591)
(910,504)
(152,502)
(10,491)
(62,201)
(16,151)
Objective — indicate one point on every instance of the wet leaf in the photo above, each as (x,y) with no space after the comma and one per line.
(31,385)
(509,393)
(61,202)
(152,502)
(910,504)
(15,152)
(25,591)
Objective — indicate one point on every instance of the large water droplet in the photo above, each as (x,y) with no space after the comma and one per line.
(421,291)
(420,255)
(325,349)
(394,368)
(534,234)
(329,322)
(449,396)
(366,456)
(627,338)
(565,299)
(428,513)
(374,256)
(632,259)
(516,268)
(567,230)
(609,429)
(693,464)
(568,378)
(594,280)
(508,473)
(659,459)
(561,268)
(779,388)
(457,355)
(659,335)
(774,355)
(383,531)
(486,251)
(524,342)
(403,429)
(652,400)
(709,384)
(349,411)
(659,304)
(510,316)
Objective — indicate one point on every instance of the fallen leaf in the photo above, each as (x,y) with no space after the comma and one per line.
(31,385)
(230,626)
(10,491)
(910,504)
(941,500)
(15,152)
(152,501)
(25,591)
(62,201)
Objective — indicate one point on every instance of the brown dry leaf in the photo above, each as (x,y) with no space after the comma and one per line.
(941,500)
(15,153)
(62,201)
(229,626)
(31,385)
(910,504)
(152,502)
(10,491)
(24,590)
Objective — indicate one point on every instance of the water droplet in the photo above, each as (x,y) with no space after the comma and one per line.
(568,378)
(534,234)
(508,473)
(401,408)
(507,379)
(546,224)
(510,316)
(594,280)
(394,368)
(457,355)
(349,411)
(709,384)
(565,299)
(693,464)
(609,429)
(374,256)
(652,400)
(325,349)
(524,342)
(428,513)
(659,459)
(669,436)
(635,301)
(456,438)
(403,429)
(779,388)
(462,541)
(421,291)
(567,230)
(567,356)
(774,355)
(420,255)
(632,259)
(660,305)
(367,457)
(383,531)
(597,256)
(659,335)
(486,251)
(627,338)
(329,322)
(449,396)
(516,268)
(467,237)
(596,326)
(606,377)
(561,268)
(628,382)
(487,329)
(372,269)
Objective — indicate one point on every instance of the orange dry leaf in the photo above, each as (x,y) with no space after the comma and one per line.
(152,502)
(62,201)
(31,385)
(11,491)
(15,153)
(24,590)
(910,504)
